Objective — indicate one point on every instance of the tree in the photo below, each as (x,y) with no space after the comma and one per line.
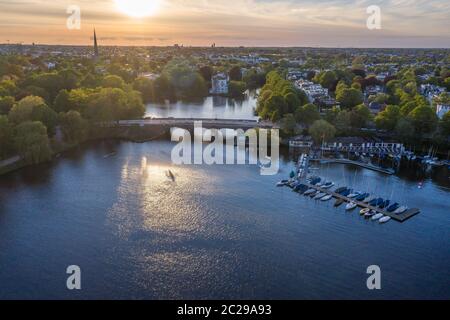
(6,104)
(73,126)
(236,89)
(327,79)
(6,137)
(424,119)
(111,104)
(113,81)
(47,116)
(388,118)
(146,88)
(235,73)
(307,114)
(8,88)
(274,107)
(405,130)
(321,131)
(288,124)
(447,83)
(343,121)
(76,99)
(349,97)
(360,116)
(31,141)
(33,108)
(206,72)
(445,124)
(22,111)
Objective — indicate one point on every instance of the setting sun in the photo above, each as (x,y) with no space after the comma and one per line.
(138,8)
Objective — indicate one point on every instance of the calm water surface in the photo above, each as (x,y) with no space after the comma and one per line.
(210,108)
(216,232)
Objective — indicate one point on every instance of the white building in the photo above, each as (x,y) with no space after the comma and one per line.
(442,109)
(430,91)
(312,90)
(219,84)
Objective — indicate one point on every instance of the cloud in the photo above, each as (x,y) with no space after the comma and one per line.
(237,22)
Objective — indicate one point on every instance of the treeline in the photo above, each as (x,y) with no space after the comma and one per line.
(41,110)
(179,80)
(279,97)
(407,115)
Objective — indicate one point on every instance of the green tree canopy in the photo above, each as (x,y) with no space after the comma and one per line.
(307,114)
(6,137)
(360,116)
(288,124)
(31,141)
(73,126)
(388,118)
(424,119)
(349,97)
(321,131)
(113,81)
(6,104)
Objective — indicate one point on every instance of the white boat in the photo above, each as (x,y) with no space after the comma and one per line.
(353,195)
(364,211)
(369,214)
(310,191)
(401,210)
(350,206)
(328,186)
(319,196)
(326,198)
(384,219)
(377,216)
(280,184)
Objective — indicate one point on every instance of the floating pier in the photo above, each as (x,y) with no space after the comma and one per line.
(398,217)
(356,163)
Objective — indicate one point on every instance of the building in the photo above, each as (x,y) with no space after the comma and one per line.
(442,109)
(376,107)
(430,91)
(313,91)
(149,75)
(219,84)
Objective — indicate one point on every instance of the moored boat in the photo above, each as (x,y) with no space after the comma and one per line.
(384,219)
(393,207)
(319,196)
(351,206)
(339,202)
(370,214)
(378,216)
(326,198)
(364,211)
(401,210)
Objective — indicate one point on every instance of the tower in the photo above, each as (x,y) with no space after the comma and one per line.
(95,45)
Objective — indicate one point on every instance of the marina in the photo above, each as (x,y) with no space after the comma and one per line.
(371,206)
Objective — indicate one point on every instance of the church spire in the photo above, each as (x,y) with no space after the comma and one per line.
(95,45)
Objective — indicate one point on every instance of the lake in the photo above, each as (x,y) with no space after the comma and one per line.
(211,108)
(216,232)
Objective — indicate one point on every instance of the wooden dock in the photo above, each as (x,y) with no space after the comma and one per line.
(398,217)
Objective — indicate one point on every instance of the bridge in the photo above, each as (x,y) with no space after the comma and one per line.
(188,124)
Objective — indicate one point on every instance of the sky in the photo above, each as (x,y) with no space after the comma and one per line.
(300,23)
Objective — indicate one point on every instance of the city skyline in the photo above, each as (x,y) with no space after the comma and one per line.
(305,23)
